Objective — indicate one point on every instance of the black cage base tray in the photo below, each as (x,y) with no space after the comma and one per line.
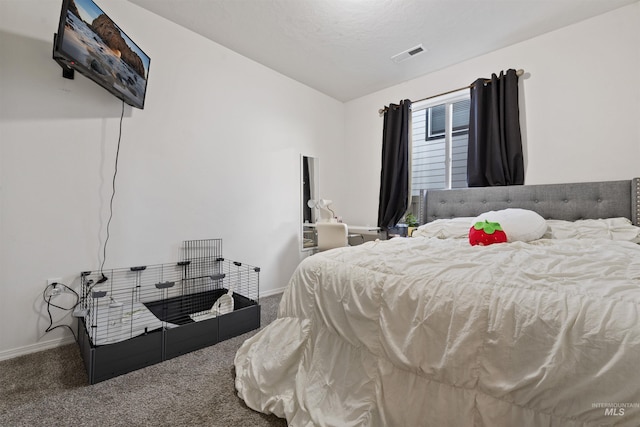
(111,360)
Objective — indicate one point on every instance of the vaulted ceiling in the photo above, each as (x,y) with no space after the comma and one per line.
(343,48)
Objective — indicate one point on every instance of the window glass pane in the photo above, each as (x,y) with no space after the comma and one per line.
(461,114)
(428,159)
(434,164)
(428,165)
(437,120)
(459,145)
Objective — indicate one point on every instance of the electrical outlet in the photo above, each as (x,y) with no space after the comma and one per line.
(53,289)
(52,281)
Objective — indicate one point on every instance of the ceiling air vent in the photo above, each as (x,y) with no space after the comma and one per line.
(408,53)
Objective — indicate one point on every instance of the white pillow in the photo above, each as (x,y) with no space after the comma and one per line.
(518,224)
(454,228)
(607,228)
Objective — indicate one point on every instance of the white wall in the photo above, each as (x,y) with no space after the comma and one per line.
(580,107)
(215,153)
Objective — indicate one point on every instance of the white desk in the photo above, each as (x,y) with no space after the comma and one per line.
(353,231)
(367,229)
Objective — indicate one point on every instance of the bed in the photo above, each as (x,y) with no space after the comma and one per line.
(431,331)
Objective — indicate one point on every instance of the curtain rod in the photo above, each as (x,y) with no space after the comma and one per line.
(382,110)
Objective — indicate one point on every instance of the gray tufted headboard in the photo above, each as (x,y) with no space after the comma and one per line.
(584,200)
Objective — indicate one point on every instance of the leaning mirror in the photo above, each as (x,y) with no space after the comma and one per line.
(308,191)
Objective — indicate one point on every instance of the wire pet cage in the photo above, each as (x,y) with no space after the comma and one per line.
(137,316)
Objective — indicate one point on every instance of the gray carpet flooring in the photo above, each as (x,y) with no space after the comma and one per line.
(50,388)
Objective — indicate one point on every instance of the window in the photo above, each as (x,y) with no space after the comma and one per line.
(440,136)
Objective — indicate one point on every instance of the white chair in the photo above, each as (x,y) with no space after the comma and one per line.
(332,235)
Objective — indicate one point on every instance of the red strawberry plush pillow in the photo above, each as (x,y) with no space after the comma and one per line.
(507,225)
(485,233)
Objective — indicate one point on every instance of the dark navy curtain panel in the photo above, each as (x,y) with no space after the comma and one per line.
(394,176)
(495,144)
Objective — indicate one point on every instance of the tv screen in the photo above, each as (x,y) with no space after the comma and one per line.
(90,42)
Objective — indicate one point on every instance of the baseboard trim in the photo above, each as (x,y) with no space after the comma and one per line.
(34,348)
(273,292)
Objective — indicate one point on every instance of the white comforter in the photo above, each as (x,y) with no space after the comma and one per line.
(429,332)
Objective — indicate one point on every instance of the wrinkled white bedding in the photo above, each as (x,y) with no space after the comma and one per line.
(430,332)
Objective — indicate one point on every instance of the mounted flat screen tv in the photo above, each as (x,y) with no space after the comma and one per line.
(90,42)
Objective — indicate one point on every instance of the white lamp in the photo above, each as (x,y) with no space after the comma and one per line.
(323,204)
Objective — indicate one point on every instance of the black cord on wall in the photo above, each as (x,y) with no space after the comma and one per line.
(47,299)
(53,286)
(113,194)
